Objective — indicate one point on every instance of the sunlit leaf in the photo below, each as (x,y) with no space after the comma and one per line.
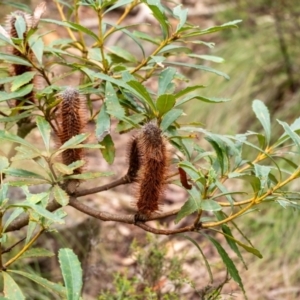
(71,272)
(11,289)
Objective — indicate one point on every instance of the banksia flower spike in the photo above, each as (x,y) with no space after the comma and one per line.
(154,166)
(30,22)
(134,156)
(71,122)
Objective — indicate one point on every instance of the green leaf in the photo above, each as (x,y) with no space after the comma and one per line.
(12,216)
(60,195)
(253,180)
(292,134)
(199,67)
(165,80)
(48,285)
(22,79)
(191,205)
(213,58)
(37,252)
(142,92)
(232,270)
(181,14)
(210,205)
(262,114)
(3,193)
(201,98)
(109,151)
(146,37)
(165,103)
(23,173)
(15,118)
(89,175)
(4,163)
(190,170)
(113,106)
(11,289)
(72,273)
(202,254)
(37,47)
(156,9)
(83,29)
(30,230)
(14,60)
(75,140)
(231,242)
(188,89)
(45,131)
(62,168)
(23,91)
(39,210)
(122,53)
(116,5)
(102,124)
(262,172)
(169,118)
(20,25)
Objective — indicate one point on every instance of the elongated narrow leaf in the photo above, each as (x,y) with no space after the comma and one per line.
(108,151)
(37,47)
(232,244)
(71,272)
(188,89)
(294,136)
(199,67)
(165,80)
(191,205)
(118,4)
(201,98)
(142,92)
(165,103)
(113,106)
(21,80)
(74,141)
(30,230)
(25,90)
(62,168)
(37,252)
(262,114)
(3,193)
(11,289)
(89,175)
(40,210)
(202,254)
(4,163)
(102,124)
(232,270)
(50,286)
(169,118)
(83,29)
(12,217)
(60,195)
(182,16)
(45,131)
(213,58)
(210,205)
(159,16)
(121,54)
(14,59)
(23,173)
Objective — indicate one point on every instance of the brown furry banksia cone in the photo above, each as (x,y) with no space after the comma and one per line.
(134,160)
(12,31)
(154,165)
(71,121)
(30,22)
